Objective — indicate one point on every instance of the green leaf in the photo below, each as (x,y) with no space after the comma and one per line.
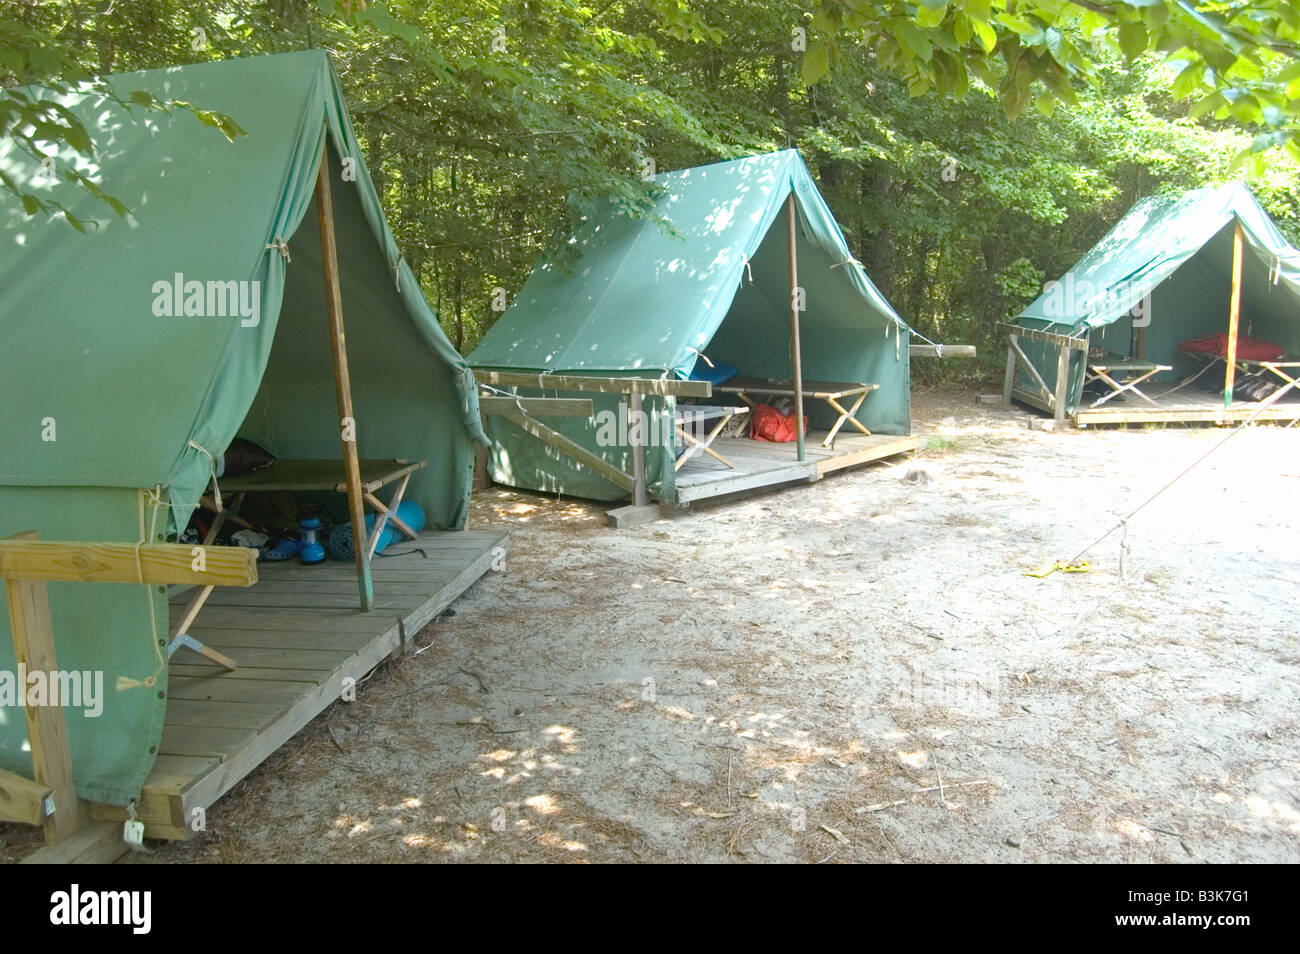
(1018,24)
(931,13)
(815,62)
(1188,81)
(915,41)
(987,35)
(1133,39)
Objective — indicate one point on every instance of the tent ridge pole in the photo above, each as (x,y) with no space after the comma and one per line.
(796,358)
(342,381)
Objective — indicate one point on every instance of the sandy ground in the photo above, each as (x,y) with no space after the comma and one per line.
(855,670)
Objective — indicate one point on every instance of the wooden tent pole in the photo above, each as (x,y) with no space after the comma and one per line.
(1234,314)
(342,382)
(796,357)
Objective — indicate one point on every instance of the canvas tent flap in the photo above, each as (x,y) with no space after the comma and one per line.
(121,378)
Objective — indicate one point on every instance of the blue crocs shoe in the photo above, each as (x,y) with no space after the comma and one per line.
(286,549)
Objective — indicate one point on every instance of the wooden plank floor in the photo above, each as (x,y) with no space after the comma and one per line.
(1187,405)
(297,636)
(760,464)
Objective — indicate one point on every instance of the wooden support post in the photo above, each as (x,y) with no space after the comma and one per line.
(796,357)
(1009,381)
(1234,313)
(1062,383)
(342,382)
(26,564)
(482,480)
(47,731)
(637,426)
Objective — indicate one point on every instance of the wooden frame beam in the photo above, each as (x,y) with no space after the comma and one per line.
(537,407)
(342,380)
(1051,337)
(657,387)
(579,453)
(1019,358)
(941,351)
(32,559)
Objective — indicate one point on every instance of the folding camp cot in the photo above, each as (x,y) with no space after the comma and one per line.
(829,391)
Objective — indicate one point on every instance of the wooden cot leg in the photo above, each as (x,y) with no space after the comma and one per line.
(388,513)
(181,638)
(846,416)
(229,513)
(704,444)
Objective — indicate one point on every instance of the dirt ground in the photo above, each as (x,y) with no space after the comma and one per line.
(854,670)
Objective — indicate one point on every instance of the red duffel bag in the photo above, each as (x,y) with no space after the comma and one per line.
(766,423)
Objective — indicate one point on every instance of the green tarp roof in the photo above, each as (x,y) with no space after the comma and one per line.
(639,298)
(108,399)
(1149,244)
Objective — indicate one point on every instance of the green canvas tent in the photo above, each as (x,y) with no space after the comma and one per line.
(638,297)
(121,386)
(1161,276)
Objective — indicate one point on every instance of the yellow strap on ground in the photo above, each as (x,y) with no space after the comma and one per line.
(1063,567)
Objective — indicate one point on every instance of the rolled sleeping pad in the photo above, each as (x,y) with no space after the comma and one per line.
(340,541)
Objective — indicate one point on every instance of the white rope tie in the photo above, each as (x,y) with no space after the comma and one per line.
(281,246)
(700,354)
(216,491)
(509,394)
(126,682)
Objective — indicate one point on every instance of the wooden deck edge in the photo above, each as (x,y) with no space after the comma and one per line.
(167,806)
(450,592)
(98,843)
(865,455)
(167,814)
(1208,415)
(728,484)
(204,791)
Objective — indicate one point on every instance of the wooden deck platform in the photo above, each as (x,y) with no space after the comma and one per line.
(760,464)
(1185,406)
(297,635)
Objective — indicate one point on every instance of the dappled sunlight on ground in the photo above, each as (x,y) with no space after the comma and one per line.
(854,670)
